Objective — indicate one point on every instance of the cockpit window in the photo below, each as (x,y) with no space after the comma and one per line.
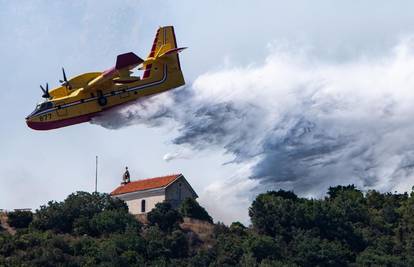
(44,105)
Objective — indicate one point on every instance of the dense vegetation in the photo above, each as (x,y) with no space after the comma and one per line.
(346,228)
(191,208)
(20,219)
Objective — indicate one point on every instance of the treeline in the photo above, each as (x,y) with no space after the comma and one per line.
(346,228)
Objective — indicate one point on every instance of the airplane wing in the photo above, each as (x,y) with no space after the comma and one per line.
(124,63)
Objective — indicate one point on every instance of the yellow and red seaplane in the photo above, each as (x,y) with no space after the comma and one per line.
(85,96)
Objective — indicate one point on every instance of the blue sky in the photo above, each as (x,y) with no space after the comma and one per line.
(39,37)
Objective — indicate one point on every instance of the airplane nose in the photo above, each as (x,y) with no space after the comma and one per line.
(29,123)
(32,125)
(30,115)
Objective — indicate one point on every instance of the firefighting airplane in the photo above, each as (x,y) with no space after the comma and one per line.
(85,96)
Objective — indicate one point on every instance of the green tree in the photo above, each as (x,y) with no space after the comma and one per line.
(52,217)
(346,215)
(349,202)
(278,213)
(177,244)
(191,208)
(229,250)
(263,247)
(155,243)
(203,258)
(78,207)
(19,219)
(346,228)
(113,221)
(334,191)
(310,250)
(238,228)
(372,257)
(164,216)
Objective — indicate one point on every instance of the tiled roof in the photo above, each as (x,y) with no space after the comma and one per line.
(145,184)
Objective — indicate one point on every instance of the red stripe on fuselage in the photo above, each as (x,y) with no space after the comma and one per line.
(60,123)
(147,71)
(154,44)
(49,125)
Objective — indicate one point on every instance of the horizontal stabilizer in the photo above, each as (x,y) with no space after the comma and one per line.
(173,51)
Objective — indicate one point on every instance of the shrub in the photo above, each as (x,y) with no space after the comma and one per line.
(191,208)
(164,216)
(113,221)
(74,212)
(20,219)
(238,228)
(263,247)
(177,244)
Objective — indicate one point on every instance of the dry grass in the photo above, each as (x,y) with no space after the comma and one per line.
(5,225)
(202,229)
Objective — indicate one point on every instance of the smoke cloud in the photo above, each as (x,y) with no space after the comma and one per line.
(297,122)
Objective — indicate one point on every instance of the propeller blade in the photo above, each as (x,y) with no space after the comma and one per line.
(65,82)
(64,75)
(45,91)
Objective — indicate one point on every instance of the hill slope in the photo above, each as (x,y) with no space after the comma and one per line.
(346,228)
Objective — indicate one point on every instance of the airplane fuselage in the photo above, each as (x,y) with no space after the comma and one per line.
(82,105)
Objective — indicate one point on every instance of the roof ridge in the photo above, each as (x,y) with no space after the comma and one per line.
(158,177)
(146,184)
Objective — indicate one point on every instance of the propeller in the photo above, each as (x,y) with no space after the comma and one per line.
(45,91)
(65,82)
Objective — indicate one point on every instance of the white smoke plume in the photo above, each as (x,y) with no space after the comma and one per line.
(183,153)
(306,124)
